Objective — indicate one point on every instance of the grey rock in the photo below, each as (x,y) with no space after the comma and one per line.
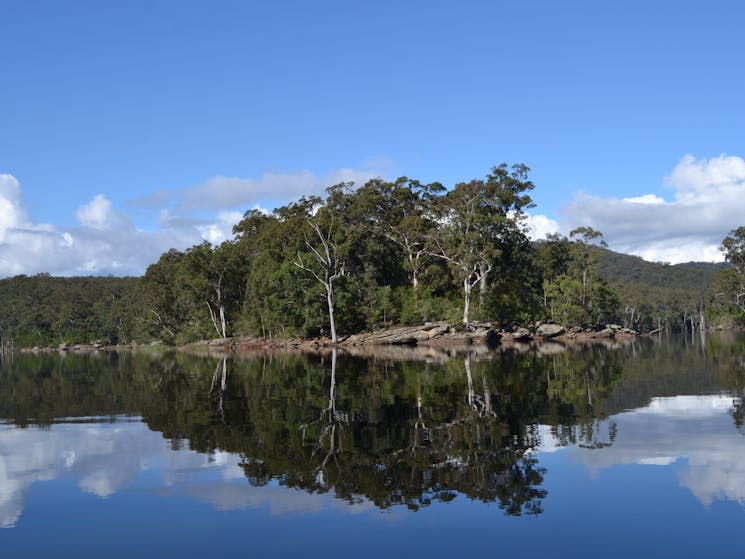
(550,330)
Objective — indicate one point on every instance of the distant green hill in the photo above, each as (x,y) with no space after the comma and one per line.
(691,276)
(658,292)
(44,310)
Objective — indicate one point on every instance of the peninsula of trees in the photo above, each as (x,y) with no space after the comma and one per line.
(384,253)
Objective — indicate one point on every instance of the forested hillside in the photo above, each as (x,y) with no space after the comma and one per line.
(43,310)
(383,253)
(656,294)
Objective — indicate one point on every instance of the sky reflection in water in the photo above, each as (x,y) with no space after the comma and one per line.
(664,478)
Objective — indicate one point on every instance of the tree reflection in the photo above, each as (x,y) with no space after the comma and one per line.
(395,433)
(221,364)
(330,423)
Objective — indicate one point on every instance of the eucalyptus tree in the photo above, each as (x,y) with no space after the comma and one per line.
(321,255)
(584,257)
(731,282)
(401,211)
(216,278)
(476,220)
(324,263)
(574,290)
(278,298)
(163,308)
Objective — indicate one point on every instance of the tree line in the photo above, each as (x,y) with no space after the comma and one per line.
(386,252)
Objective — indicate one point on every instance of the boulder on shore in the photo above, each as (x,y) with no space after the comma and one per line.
(550,330)
(518,335)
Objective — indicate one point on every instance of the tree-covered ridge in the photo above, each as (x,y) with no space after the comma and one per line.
(655,295)
(43,310)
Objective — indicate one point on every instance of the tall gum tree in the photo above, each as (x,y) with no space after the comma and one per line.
(475,219)
(732,281)
(215,277)
(401,212)
(324,263)
(274,300)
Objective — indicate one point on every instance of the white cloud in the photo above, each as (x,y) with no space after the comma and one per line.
(694,432)
(12,212)
(106,240)
(645,199)
(98,214)
(540,226)
(709,201)
(107,458)
(222,229)
(228,193)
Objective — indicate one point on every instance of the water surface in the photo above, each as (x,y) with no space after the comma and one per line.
(633,448)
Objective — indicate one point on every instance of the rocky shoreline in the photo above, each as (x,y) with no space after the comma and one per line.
(435,334)
(430,334)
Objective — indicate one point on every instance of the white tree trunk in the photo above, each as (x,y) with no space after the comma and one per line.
(466,300)
(213,317)
(223,322)
(330,300)
(331,269)
(482,291)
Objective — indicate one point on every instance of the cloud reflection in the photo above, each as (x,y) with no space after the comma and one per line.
(695,432)
(107,458)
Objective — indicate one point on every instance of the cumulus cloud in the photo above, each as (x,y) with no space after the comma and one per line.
(222,229)
(12,212)
(98,214)
(228,193)
(709,201)
(540,226)
(105,241)
(645,199)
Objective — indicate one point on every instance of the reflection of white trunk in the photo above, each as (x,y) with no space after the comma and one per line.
(335,419)
(471,394)
(487,395)
(589,391)
(223,384)
(332,390)
(214,377)
(420,419)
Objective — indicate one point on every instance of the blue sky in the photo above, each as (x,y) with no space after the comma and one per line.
(131,126)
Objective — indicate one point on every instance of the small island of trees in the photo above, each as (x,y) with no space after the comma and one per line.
(381,254)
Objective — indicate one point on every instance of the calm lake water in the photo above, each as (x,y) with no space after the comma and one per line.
(606,451)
